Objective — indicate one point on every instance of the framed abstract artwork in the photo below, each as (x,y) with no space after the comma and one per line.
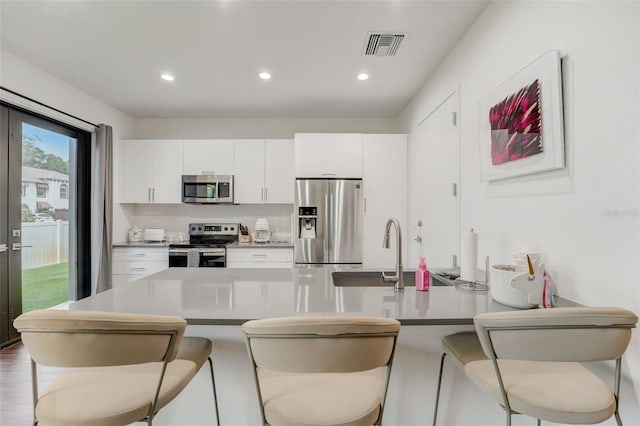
(521,122)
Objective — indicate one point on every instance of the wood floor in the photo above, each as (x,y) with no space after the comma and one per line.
(16,406)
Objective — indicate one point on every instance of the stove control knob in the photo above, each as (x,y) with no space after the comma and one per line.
(226,229)
(193,228)
(199,228)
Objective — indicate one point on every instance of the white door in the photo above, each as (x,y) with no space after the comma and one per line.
(208,156)
(384,176)
(249,171)
(136,171)
(167,171)
(278,174)
(434,165)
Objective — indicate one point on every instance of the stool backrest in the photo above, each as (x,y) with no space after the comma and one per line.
(63,338)
(578,334)
(321,344)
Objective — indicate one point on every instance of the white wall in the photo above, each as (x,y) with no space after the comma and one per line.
(584,219)
(24,78)
(257,128)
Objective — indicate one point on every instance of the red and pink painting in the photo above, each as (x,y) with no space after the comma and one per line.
(521,126)
(516,125)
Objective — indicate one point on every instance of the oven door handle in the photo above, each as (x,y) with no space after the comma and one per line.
(178,252)
(212,251)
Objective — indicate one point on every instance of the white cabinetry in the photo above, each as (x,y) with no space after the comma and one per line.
(260,257)
(264,171)
(384,176)
(249,171)
(151,171)
(278,171)
(208,156)
(328,155)
(131,263)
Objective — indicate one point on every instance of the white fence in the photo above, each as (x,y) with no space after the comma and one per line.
(45,243)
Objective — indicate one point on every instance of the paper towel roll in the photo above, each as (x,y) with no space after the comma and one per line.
(469,261)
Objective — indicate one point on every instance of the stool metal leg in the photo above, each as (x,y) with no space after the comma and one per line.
(435,411)
(215,396)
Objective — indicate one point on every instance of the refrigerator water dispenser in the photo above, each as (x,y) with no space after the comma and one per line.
(307,218)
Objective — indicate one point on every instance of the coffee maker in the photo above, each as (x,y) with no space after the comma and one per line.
(262,232)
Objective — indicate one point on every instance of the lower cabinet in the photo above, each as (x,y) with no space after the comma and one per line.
(131,263)
(267,257)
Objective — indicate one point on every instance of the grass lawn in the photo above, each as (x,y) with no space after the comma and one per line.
(45,287)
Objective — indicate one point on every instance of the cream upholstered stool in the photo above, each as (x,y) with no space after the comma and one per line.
(123,367)
(534,361)
(327,370)
(462,348)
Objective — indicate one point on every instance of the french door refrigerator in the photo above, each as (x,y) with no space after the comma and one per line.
(328,221)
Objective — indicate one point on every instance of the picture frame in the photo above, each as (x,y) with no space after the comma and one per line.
(521,122)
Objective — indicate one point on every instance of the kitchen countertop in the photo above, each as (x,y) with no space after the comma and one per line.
(141,244)
(279,244)
(217,296)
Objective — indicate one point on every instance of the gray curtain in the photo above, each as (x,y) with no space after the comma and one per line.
(102,209)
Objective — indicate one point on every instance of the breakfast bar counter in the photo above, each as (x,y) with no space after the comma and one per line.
(215,301)
(217,296)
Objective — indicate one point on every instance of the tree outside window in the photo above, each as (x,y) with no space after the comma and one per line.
(24,189)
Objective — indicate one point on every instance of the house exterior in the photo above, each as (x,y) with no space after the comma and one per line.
(44,190)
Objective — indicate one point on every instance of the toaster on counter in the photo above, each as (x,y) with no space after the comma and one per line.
(153,235)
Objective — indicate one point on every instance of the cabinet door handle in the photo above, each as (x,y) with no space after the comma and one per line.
(153,195)
(137,255)
(259,255)
(328,174)
(261,194)
(265,194)
(137,269)
(149,195)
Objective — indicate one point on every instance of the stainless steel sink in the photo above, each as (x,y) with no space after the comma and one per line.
(373,279)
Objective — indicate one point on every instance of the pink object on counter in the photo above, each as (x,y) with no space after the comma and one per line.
(422,276)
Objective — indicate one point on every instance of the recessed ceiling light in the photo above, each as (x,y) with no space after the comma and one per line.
(264,75)
(363,76)
(167,77)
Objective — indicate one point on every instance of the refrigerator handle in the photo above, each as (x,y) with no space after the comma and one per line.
(326,227)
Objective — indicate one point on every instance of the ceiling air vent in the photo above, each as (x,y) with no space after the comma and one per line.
(383,44)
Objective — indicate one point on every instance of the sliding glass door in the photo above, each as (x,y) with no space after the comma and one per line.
(45,218)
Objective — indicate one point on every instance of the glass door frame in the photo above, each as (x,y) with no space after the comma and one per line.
(79,210)
(5,304)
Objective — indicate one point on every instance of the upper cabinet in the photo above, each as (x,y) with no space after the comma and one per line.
(329,155)
(151,171)
(278,171)
(248,178)
(209,156)
(264,171)
(384,177)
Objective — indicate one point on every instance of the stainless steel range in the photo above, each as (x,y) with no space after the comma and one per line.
(206,247)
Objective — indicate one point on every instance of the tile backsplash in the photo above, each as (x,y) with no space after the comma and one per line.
(176,218)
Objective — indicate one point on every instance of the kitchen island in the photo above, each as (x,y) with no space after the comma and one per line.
(218,296)
(215,301)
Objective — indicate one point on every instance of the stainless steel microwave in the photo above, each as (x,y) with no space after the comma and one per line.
(207,189)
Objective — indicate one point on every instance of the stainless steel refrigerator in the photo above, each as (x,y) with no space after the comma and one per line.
(328,221)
